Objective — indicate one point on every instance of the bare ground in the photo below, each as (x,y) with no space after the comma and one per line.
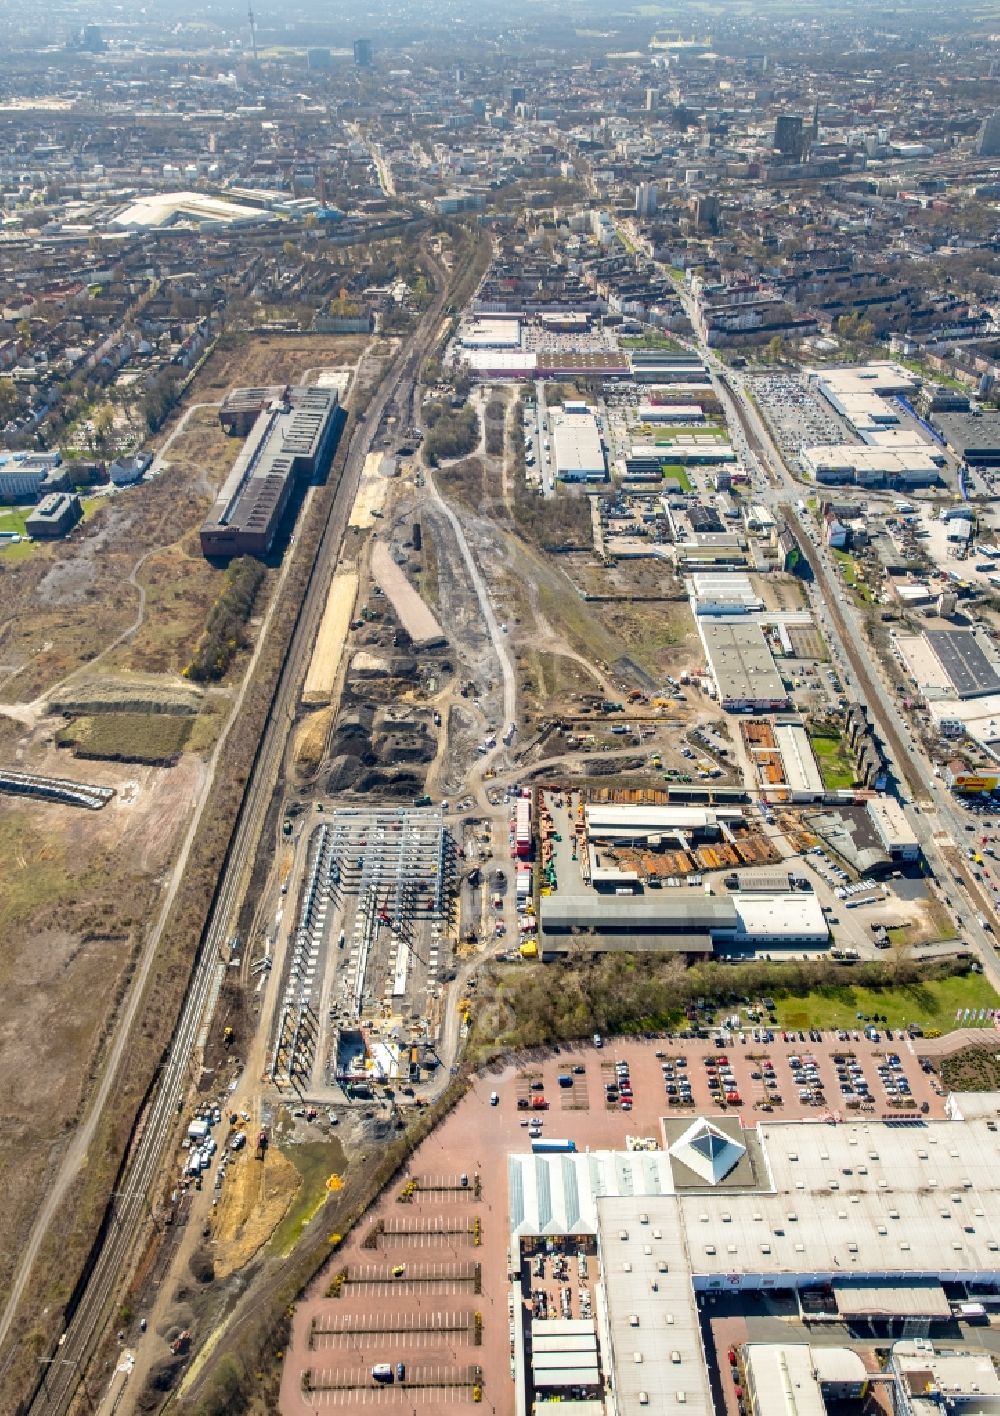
(75,891)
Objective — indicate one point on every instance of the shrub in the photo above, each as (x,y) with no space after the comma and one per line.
(453,432)
(225,628)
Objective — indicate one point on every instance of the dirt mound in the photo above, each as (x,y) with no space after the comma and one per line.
(344,773)
(310,739)
(135,694)
(390,784)
(252,1203)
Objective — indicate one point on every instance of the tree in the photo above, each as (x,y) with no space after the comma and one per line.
(421,292)
(23,328)
(104,422)
(159,400)
(8,400)
(775,348)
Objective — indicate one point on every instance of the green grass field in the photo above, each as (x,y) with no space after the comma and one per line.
(915,366)
(651,341)
(13,520)
(92,505)
(17,551)
(834,761)
(663,437)
(933,1005)
(858,587)
(675,470)
(315,1161)
(132,737)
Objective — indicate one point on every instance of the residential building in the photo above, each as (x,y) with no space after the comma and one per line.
(646,199)
(988,141)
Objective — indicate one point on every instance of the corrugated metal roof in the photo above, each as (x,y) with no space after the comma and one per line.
(671,909)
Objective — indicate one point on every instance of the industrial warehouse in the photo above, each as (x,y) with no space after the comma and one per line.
(292,438)
(742,666)
(579,452)
(888,453)
(875,1226)
(682,921)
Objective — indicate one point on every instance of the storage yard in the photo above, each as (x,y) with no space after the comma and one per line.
(324,666)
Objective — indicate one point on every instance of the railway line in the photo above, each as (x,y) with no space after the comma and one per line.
(66,1369)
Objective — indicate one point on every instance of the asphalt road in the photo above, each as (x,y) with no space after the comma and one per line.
(133,1204)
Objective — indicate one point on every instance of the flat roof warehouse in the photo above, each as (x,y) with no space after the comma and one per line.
(879,1214)
(970,672)
(293,438)
(579,451)
(742,665)
(685,921)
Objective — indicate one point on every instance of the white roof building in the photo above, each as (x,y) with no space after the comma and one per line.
(787,1378)
(613,822)
(780,919)
(882,1214)
(940,1380)
(578,454)
(502,363)
(671,413)
(723,593)
(898,837)
(195,209)
(797,758)
(870,463)
(492,332)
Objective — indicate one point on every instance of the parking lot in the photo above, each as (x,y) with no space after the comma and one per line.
(797,415)
(415,1271)
(596,341)
(434,1393)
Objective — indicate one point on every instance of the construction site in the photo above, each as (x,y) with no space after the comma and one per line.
(369,946)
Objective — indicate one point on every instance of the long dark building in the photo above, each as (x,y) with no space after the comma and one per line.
(293,435)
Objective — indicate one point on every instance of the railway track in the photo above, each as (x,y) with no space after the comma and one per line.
(132,1209)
